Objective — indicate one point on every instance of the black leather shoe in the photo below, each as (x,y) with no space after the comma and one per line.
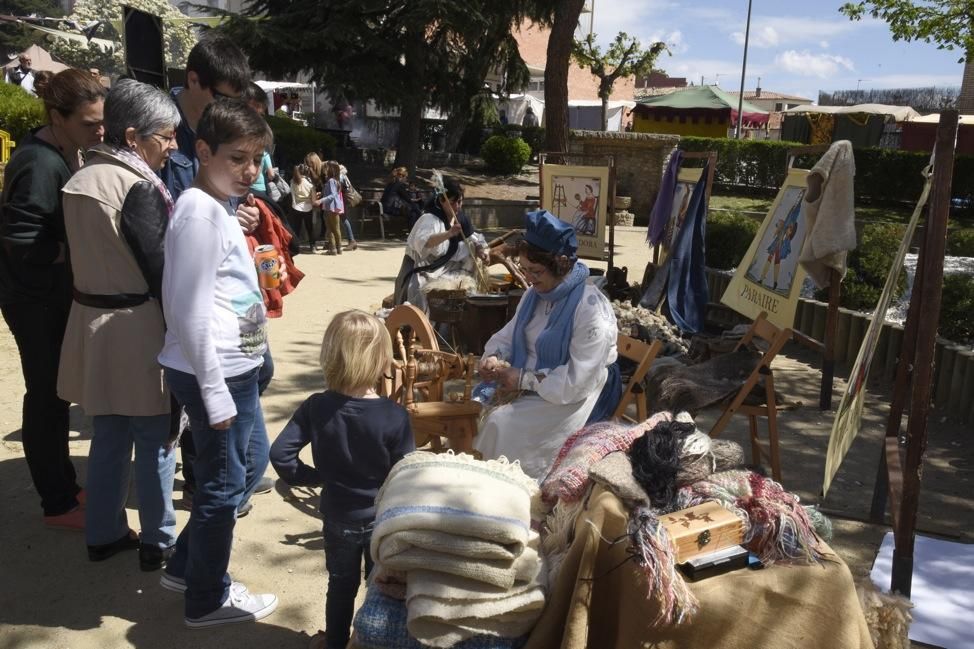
(152,558)
(108,550)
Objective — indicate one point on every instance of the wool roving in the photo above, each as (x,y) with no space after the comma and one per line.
(777,527)
(656,555)
(656,460)
(568,478)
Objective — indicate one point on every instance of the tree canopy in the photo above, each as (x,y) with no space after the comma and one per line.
(624,57)
(948,23)
(405,54)
(16,38)
(178,35)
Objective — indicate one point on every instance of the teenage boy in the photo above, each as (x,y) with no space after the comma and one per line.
(216,67)
(215,343)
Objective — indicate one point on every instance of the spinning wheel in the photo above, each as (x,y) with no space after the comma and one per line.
(420,370)
(406,315)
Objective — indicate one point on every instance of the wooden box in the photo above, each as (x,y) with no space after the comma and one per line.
(703,529)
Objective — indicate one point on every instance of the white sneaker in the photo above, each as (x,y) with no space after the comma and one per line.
(177,584)
(241,606)
(172,582)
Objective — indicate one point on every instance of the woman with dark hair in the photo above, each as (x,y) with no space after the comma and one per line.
(551,363)
(435,248)
(120,207)
(35,281)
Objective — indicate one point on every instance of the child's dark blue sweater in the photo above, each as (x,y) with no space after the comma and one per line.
(354,443)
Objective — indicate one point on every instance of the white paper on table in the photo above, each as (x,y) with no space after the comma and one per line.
(942,591)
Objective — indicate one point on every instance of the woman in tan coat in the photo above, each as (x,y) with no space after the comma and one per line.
(115,211)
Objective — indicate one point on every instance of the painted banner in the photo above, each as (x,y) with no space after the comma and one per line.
(579,196)
(769,277)
(849,415)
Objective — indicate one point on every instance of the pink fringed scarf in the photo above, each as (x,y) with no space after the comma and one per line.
(568,478)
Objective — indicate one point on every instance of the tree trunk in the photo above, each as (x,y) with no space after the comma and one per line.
(556,74)
(965,100)
(411,109)
(605,112)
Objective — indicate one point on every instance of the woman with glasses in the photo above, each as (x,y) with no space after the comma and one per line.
(435,248)
(116,211)
(552,364)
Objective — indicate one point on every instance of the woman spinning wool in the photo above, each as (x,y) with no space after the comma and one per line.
(555,355)
(435,248)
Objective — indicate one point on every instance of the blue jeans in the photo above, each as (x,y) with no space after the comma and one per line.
(109,464)
(348,229)
(189,449)
(345,544)
(223,481)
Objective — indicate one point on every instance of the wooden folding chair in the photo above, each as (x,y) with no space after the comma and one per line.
(776,339)
(643,355)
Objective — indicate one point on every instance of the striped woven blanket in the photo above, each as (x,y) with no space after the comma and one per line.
(459,529)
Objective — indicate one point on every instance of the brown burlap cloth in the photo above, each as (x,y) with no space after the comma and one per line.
(595,604)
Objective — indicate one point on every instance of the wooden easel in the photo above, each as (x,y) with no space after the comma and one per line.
(898,477)
(592,161)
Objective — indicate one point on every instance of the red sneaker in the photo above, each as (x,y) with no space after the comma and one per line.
(72,520)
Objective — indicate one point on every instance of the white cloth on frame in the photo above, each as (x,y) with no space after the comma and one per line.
(830,212)
(533,427)
(461,265)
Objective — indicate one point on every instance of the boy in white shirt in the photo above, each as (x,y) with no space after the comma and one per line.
(214,348)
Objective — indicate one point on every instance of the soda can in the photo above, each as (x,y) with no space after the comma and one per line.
(268,266)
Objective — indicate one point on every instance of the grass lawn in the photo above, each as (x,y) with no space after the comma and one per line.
(761,205)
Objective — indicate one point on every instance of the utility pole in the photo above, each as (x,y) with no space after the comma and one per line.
(740,100)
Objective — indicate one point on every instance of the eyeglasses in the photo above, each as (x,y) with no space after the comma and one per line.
(534,274)
(218,95)
(168,139)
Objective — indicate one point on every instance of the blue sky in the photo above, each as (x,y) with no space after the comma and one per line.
(795,47)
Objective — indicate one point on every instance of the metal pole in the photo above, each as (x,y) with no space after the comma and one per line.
(740,100)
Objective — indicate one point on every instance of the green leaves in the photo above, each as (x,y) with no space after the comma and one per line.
(947,23)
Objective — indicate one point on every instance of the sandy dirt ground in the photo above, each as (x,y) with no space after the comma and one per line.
(52,597)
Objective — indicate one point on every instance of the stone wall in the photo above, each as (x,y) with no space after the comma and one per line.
(639,160)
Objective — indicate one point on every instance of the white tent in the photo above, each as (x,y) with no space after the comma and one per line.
(587,114)
(898,113)
(271,86)
(515,106)
(40,59)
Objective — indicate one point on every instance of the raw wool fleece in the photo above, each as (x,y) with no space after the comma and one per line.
(887,616)
(459,531)
(568,478)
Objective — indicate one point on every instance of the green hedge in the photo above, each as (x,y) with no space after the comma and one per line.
(960,243)
(292,141)
(729,234)
(19,111)
(882,175)
(956,308)
(505,155)
(869,266)
(533,135)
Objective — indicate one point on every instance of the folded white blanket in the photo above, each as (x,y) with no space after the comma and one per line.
(459,529)
(456,495)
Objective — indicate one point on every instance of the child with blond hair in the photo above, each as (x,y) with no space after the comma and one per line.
(356,437)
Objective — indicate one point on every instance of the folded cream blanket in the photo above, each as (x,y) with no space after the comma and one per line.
(459,531)
(459,496)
